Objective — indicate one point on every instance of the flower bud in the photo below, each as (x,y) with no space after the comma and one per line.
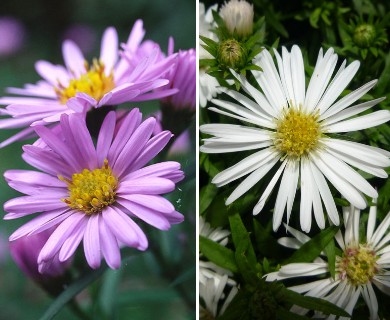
(232,54)
(238,17)
(364,35)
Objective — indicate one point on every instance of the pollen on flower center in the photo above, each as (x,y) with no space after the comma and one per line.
(95,83)
(297,133)
(358,264)
(91,191)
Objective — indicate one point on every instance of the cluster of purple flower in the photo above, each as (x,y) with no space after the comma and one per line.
(95,192)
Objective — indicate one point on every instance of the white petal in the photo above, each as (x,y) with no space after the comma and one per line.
(371,223)
(298,76)
(380,231)
(215,147)
(306,196)
(371,301)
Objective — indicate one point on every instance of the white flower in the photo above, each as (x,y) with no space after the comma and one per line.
(207,269)
(207,84)
(291,125)
(238,17)
(212,292)
(364,262)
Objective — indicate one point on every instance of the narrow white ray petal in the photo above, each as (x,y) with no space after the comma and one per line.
(359,163)
(302,269)
(317,204)
(282,75)
(381,245)
(286,194)
(251,180)
(260,122)
(349,232)
(255,94)
(289,243)
(384,250)
(371,301)
(320,78)
(249,103)
(339,83)
(383,284)
(306,196)
(351,111)
(302,288)
(325,193)
(260,204)
(269,76)
(288,81)
(298,76)
(363,122)
(371,223)
(242,168)
(232,130)
(348,100)
(380,231)
(215,147)
(301,237)
(335,171)
(353,298)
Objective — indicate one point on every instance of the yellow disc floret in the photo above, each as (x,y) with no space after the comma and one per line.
(95,83)
(91,191)
(358,264)
(297,133)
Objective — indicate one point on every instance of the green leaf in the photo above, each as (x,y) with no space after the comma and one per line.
(312,249)
(312,303)
(207,194)
(108,290)
(218,254)
(250,272)
(330,251)
(241,237)
(265,242)
(184,277)
(71,292)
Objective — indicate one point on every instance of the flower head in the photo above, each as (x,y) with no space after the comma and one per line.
(238,17)
(12,35)
(207,84)
(363,263)
(93,194)
(109,80)
(292,127)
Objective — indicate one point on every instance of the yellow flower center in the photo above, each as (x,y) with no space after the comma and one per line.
(297,133)
(95,83)
(358,264)
(91,191)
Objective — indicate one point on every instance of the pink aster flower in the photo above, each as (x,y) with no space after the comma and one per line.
(92,194)
(78,86)
(25,251)
(183,77)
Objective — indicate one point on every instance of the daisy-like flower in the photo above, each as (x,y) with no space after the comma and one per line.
(208,269)
(293,126)
(92,194)
(238,17)
(207,84)
(216,293)
(363,263)
(79,86)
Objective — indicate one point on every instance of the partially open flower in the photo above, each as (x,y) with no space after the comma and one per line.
(238,17)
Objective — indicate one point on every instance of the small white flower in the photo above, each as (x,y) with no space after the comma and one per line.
(213,292)
(207,84)
(364,262)
(291,125)
(238,17)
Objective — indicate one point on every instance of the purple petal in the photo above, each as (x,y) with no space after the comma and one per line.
(125,229)
(59,236)
(109,246)
(155,95)
(22,135)
(150,216)
(109,49)
(106,135)
(128,126)
(152,148)
(32,204)
(157,203)
(73,57)
(155,170)
(175,217)
(92,242)
(70,245)
(33,177)
(51,72)
(146,186)
(41,223)
(134,146)
(120,94)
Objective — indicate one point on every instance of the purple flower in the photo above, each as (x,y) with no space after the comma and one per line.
(12,34)
(183,77)
(83,35)
(78,86)
(25,251)
(92,194)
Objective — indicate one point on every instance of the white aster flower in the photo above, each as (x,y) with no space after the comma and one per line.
(291,125)
(238,17)
(363,263)
(214,291)
(207,269)
(207,84)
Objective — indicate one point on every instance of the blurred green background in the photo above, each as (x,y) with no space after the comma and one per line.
(141,289)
